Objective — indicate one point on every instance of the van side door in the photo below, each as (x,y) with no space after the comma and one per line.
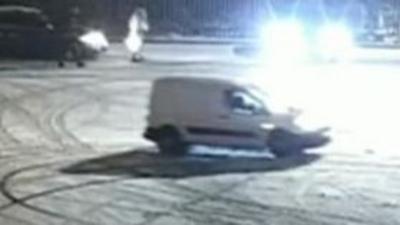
(245,114)
(225,124)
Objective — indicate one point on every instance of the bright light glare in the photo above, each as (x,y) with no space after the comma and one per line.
(284,41)
(335,42)
(352,99)
(96,40)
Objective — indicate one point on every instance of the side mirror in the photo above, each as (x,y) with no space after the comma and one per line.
(252,108)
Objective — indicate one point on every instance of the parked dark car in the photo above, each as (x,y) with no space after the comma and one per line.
(27,33)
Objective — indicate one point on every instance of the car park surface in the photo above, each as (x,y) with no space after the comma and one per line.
(72,150)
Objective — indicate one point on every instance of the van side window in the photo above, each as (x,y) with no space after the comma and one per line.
(242,102)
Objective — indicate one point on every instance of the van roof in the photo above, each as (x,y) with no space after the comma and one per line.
(199,80)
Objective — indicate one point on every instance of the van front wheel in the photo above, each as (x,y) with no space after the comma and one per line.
(170,142)
(283,143)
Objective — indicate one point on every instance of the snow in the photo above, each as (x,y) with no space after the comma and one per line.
(71,150)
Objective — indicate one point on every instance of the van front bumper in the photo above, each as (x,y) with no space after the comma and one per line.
(285,139)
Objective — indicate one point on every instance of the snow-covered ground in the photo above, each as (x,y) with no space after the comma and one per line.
(71,150)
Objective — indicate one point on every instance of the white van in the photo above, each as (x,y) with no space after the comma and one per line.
(186,111)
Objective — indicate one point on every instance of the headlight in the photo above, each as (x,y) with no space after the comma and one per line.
(284,41)
(96,40)
(335,41)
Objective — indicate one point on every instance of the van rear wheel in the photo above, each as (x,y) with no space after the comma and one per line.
(170,142)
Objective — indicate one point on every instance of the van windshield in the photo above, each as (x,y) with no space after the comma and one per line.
(257,92)
(269,104)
